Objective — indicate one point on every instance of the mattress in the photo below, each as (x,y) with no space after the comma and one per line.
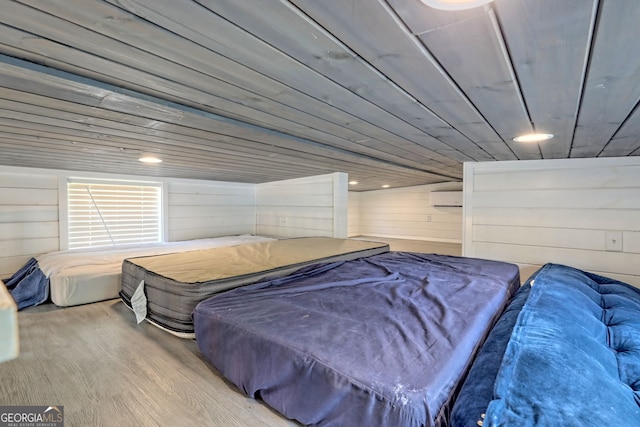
(76,277)
(172,285)
(566,352)
(378,341)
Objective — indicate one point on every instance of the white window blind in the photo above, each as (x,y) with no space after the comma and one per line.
(109,213)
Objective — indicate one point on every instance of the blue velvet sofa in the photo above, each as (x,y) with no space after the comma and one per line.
(566,352)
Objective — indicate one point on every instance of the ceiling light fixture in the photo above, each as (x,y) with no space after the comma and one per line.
(147,158)
(353,182)
(533,137)
(455,4)
(386,186)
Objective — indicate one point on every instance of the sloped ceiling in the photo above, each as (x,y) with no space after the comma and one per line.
(390,91)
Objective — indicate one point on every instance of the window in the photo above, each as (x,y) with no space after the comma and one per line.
(109,213)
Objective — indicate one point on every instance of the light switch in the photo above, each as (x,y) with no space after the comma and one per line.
(613,241)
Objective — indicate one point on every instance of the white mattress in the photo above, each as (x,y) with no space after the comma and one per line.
(84,276)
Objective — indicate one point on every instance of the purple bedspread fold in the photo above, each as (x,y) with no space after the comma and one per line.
(382,340)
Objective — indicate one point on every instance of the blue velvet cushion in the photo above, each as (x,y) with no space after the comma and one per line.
(573,358)
(477,391)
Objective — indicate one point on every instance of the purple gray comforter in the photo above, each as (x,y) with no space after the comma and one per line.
(382,340)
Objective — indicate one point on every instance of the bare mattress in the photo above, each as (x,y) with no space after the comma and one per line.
(174,284)
(383,340)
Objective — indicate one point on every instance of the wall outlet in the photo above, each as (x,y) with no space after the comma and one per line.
(428,218)
(613,241)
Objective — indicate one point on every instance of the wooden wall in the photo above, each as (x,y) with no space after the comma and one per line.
(353,227)
(406,213)
(30,213)
(206,209)
(28,217)
(313,206)
(561,211)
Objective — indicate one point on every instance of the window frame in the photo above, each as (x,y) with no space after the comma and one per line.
(63,202)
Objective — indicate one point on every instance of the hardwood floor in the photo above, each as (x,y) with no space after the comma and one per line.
(106,371)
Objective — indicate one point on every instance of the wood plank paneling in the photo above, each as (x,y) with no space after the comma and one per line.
(626,142)
(321,51)
(407,213)
(590,198)
(282,149)
(605,263)
(492,87)
(631,242)
(28,218)
(612,88)
(244,78)
(360,23)
(15,213)
(586,239)
(197,209)
(28,230)
(552,97)
(390,92)
(303,207)
(579,176)
(29,211)
(555,211)
(353,214)
(602,219)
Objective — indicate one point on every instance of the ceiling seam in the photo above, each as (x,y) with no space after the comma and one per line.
(504,46)
(427,53)
(634,110)
(230,114)
(11,61)
(597,11)
(356,117)
(373,69)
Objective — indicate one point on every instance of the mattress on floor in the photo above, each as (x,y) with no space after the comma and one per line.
(83,276)
(174,284)
(378,341)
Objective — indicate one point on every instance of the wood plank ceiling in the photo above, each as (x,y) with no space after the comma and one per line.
(390,91)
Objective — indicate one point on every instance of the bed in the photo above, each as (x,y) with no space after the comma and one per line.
(165,289)
(83,276)
(565,353)
(382,340)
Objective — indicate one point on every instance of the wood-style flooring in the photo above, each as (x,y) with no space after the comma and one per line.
(107,371)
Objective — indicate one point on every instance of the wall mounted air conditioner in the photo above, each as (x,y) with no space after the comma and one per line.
(446,198)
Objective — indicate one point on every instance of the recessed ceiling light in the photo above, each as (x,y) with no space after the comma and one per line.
(353,182)
(386,186)
(533,137)
(455,4)
(149,159)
